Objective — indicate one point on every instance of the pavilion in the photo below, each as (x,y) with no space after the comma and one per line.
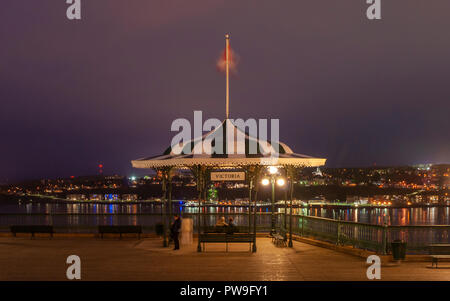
(235,155)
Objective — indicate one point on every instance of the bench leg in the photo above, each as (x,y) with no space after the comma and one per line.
(434,262)
(227,246)
(32,235)
(120,235)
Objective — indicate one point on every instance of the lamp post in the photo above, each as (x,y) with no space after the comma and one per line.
(273,172)
(163,209)
(291,175)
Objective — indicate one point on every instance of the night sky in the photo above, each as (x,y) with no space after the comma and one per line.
(107,88)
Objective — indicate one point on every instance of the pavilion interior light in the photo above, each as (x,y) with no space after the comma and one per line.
(273,170)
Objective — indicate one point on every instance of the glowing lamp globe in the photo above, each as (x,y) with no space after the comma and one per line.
(273,170)
(280,182)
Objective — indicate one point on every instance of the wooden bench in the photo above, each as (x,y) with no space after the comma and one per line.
(32,229)
(438,251)
(226,238)
(224,229)
(120,230)
(279,238)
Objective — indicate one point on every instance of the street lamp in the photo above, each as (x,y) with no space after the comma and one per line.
(273,171)
(280,182)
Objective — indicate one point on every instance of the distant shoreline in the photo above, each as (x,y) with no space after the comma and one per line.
(49,199)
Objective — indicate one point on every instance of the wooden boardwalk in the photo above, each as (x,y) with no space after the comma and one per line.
(130,259)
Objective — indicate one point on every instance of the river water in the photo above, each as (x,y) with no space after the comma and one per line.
(380,216)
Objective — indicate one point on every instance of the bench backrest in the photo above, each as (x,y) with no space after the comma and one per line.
(222,229)
(213,237)
(223,237)
(31,228)
(240,237)
(120,229)
(439,249)
(282,232)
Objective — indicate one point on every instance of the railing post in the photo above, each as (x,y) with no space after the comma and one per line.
(384,242)
(338,232)
(303,220)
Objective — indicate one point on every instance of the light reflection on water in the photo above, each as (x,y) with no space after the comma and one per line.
(390,216)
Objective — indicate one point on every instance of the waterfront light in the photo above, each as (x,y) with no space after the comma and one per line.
(265,182)
(280,182)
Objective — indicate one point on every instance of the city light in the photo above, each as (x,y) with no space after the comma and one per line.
(265,182)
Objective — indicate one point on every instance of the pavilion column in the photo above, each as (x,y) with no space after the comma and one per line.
(199,246)
(199,188)
(285,202)
(163,211)
(290,171)
(198,172)
(249,175)
(255,175)
(169,190)
(254,217)
(206,174)
(250,190)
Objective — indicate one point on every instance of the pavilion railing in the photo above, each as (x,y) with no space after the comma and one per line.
(358,235)
(376,238)
(80,222)
(419,237)
(89,222)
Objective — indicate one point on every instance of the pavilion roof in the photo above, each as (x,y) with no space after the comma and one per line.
(236,152)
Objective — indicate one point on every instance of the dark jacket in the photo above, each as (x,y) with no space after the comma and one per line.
(176,226)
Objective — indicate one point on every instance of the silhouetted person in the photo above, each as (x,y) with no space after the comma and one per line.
(175,231)
(231,226)
(221,224)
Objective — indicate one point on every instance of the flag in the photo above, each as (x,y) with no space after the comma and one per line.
(233,60)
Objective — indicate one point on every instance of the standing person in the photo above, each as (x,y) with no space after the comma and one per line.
(175,231)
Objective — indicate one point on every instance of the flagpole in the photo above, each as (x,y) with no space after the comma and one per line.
(227,57)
